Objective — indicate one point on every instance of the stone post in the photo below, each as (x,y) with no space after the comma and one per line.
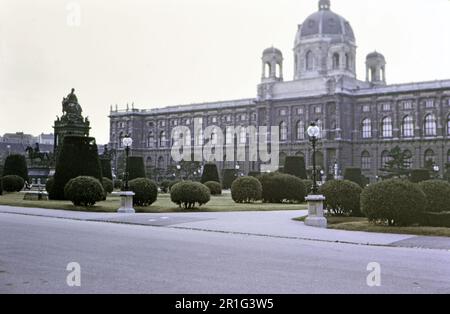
(315,211)
(126,202)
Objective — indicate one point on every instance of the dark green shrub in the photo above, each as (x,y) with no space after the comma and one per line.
(214,187)
(438,195)
(254,174)
(16,165)
(118,184)
(246,190)
(84,191)
(164,185)
(210,173)
(78,157)
(436,219)
(308,186)
(188,194)
(1,187)
(146,191)
(106,168)
(107,185)
(295,165)
(280,187)
(342,197)
(136,167)
(355,175)
(229,175)
(419,175)
(171,184)
(395,202)
(49,184)
(12,183)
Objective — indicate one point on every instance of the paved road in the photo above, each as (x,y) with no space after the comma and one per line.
(34,253)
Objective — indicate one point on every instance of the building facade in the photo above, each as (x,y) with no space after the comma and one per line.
(361,120)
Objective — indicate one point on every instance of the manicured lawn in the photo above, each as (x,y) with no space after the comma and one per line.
(222,203)
(362,224)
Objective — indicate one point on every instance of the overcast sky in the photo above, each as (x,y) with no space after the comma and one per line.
(168,52)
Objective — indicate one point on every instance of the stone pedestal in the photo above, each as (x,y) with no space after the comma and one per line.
(315,211)
(126,202)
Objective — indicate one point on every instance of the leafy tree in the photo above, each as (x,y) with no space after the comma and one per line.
(16,165)
(210,173)
(106,168)
(295,165)
(78,157)
(398,165)
(136,168)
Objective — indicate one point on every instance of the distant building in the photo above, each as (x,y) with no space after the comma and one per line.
(19,138)
(46,139)
(360,120)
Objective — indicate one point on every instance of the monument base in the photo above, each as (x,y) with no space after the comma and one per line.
(126,202)
(35,196)
(315,211)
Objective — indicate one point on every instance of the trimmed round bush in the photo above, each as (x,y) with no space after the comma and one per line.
(171,184)
(164,185)
(12,183)
(49,184)
(419,175)
(246,190)
(118,184)
(214,187)
(84,191)
(210,173)
(16,165)
(394,202)
(308,186)
(188,194)
(437,193)
(342,197)
(279,188)
(146,191)
(107,185)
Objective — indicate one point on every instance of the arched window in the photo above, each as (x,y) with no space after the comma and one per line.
(320,125)
(120,140)
(430,158)
(448,125)
(408,127)
(176,136)
(408,159)
(162,139)
(283,131)
(336,61)
(367,128)
(150,140)
(199,138)
(148,161)
(229,137)
(386,127)
(309,62)
(243,135)
(430,125)
(300,130)
(267,70)
(347,61)
(385,158)
(161,162)
(366,160)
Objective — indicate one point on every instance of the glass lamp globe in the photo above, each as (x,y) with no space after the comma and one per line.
(313,130)
(127,141)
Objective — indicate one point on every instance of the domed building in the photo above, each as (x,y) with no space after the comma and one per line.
(361,120)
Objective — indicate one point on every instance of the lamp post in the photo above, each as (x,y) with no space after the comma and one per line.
(127,142)
(313,133)
(315,202)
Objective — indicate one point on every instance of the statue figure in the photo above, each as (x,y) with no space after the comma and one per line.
(71,108)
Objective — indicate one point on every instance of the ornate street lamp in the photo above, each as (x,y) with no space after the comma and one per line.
(313,133)
(127,142)
(315,202)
